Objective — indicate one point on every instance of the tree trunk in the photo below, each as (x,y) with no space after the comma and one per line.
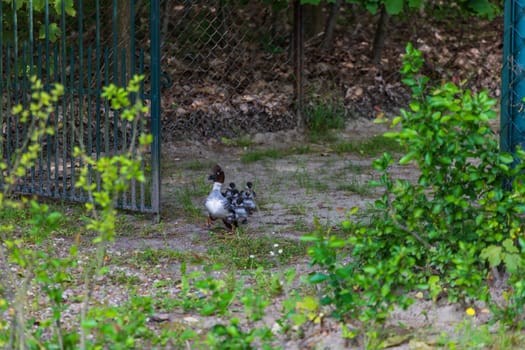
(314,19)
(379,37)
(124,22)
(328,39)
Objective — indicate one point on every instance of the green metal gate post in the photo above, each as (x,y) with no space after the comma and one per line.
(513,77)
(155,104)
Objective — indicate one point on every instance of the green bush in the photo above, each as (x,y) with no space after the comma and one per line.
(35,266)
(446,233)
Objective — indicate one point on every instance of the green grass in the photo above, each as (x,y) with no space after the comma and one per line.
(355,186)
(197,165)
(297,209)
(244,251)
(300,225)
(243,141)
(309,181)
(328,137)
(71,223)
(186,196)
(155,256)
(370,147)
(13,215)
(322,118)
(120,277)
(273,153)
(469,336)
(354,168)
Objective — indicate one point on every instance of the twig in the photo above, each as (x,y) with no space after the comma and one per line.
(414,234)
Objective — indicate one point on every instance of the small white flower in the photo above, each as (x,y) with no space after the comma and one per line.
(275,245)
(252,256)
(272,253)
(280,251)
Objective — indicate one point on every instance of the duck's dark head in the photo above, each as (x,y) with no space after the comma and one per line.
(217,174)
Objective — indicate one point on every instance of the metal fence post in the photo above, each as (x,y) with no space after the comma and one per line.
(298,44)
(155,105)
(513,77)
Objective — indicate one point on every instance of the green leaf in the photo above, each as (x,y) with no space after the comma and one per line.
(509,246)
(371,7)
(370,270)
(482,8)
(415,3)
(492,254)
(317,278)
(308,303)
(407,158)
(394,7)
(506,158)
(385,290)
(512,262)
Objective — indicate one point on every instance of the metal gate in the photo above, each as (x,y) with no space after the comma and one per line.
(83,45)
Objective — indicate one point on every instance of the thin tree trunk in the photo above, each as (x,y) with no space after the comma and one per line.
(379,37)
(314,19)
(328,39)
(124,23)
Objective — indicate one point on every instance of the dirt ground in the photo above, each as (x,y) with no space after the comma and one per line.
(291,191)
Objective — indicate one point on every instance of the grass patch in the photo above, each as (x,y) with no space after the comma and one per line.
(243,141)
(247,252)
(308,182)
(121,277)
(258,155)
(322,117)
(185,197)
(300,225)
(370,147)
(152,257)
(354,168)
(329,137)
(71,222)
(273,153)
(470,336)
(197,165)
(355,186)
(297,209)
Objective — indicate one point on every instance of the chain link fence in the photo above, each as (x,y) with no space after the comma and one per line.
(230,66)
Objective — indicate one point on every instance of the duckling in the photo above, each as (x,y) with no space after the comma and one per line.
(249,198)
(230,191)
(241,214)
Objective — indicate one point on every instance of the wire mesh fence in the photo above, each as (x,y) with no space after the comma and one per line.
(230,64)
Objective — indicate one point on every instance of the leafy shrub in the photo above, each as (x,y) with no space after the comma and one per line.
(447,233)
(34,263)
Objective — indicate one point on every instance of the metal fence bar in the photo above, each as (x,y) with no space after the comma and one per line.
(513,77)
(142,165)
(2,148)
(155,104)
(81,117)
(299,59)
